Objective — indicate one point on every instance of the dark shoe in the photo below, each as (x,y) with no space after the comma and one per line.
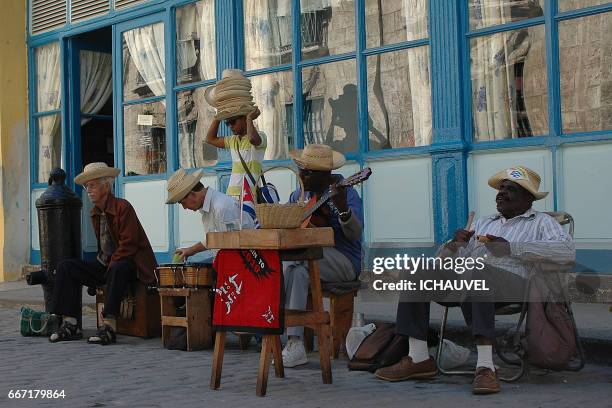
(66,332)
(485,381)
(406,370)
(105,335)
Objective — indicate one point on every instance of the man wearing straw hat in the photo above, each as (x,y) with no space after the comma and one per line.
(233,101)
(219,212)
(507,241)
(124,255)
(344,213)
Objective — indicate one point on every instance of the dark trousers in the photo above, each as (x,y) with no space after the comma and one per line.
(478,310)
(72,274)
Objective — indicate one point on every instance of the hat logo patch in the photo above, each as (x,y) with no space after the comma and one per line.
(516,174)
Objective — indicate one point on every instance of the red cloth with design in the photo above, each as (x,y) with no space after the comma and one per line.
(249,291)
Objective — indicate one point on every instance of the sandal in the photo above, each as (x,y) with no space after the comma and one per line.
(104,336)
(66,332)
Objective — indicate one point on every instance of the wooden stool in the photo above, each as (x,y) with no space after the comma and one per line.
(294,244)
(341,306)
(146,322)
(197,320)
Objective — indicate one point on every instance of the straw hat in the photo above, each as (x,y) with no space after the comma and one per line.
(524,177)
(318,157)
(181,183)
(94,171)
(231,96)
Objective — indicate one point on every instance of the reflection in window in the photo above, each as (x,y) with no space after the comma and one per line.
(390,22)
(49,145)
(267,33)
(509,92)
(195,42)
(485,13)
(334,87)
(145,138)
(48,77)
(585,47)
(328,27)
(566,5)
(194,117)
(272,94)
(399,99)
(143,62)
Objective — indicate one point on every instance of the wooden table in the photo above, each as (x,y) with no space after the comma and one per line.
(293,244)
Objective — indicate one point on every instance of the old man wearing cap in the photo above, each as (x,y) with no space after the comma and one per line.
(344,213)
(124,255)
(509,242)
(219,212)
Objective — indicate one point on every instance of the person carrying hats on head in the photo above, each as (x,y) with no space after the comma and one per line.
(344,213)
(232,98)
(514,238)
(219,212)
(124,256)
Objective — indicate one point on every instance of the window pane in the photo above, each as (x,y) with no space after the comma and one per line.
(273,95)
(565,5)
(395,21)
(485,13)
(143,62)
(48,77)
(399,99)
(330,105)
(96,82)
(585,59)
(145,138)
(195,42)
(49,145)
(267,33)
(194,117)
(328,27)
(509,92)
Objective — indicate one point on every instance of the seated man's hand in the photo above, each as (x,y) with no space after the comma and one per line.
(498,246)
(184,253)
(461,238)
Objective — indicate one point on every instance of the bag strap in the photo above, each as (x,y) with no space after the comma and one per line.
(42,328)
(244,165)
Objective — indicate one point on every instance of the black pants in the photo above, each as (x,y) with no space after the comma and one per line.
(478,311)
(72,274)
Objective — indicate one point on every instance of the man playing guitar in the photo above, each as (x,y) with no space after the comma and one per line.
(333,203)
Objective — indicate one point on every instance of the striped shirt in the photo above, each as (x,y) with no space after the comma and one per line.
(252,155)
(533,236)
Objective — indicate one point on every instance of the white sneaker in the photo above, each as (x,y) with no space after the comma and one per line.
(294,353)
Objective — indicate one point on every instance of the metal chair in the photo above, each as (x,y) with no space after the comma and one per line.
(520,360)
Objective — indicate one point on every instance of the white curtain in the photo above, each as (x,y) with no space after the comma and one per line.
(262,46)
(146,47)
(96,81)
(48,95)
(418,67)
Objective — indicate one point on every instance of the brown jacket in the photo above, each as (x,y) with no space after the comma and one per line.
(128,235)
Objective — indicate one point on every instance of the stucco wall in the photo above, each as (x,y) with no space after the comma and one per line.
(14,168)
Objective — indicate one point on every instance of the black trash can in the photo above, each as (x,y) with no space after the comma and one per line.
(59,229)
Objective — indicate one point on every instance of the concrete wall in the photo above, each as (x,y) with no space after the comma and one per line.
(14,168)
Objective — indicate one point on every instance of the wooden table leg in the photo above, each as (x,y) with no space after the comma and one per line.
(279,369)
(264,364)
(323,331)
(215,376)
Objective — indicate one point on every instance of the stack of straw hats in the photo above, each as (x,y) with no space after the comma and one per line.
(231,96)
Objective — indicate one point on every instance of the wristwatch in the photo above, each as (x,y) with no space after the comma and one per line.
(345,215)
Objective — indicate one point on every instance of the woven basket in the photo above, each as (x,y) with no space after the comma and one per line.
(281,215)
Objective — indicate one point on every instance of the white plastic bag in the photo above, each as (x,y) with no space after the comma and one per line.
(453,355)
(355,337)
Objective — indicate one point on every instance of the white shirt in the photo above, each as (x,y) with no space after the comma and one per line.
(533,236)
(219,212)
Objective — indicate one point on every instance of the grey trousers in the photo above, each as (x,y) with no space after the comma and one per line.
(334,267)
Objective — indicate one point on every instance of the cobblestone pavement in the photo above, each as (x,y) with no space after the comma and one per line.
(140,373)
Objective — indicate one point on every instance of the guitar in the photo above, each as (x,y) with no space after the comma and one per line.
(313,206)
